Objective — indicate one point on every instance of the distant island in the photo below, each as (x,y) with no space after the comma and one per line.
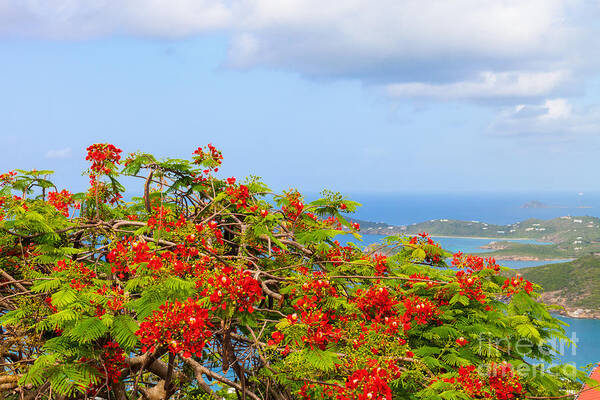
(539,204)
(566,237)
(535,204)
(574,286)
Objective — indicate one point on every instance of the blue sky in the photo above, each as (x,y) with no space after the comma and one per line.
(356,96)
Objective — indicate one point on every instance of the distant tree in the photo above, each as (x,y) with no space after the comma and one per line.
(210,288)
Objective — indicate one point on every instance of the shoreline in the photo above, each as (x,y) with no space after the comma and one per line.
(488,238)
(528,258)
(579,313)
(470,237)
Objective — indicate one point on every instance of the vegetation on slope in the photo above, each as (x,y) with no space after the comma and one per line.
(571,237)
(576,282)
(521,251)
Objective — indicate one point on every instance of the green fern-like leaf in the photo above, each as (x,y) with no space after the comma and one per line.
(45,285)
(321,359)
(123,330)
(87,330)
(64,297)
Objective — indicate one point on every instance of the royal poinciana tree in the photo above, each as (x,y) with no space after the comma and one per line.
(204,287)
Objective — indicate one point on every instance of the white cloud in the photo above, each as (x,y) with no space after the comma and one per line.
(555,117)
(487,85)
(59,153)
(356,34)
(460,49)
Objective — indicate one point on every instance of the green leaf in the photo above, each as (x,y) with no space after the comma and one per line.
(123,330)
(321,359)
(459,298)
(87,330)
(64,297)
(45,285)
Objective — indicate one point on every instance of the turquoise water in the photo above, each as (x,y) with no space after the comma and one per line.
(586,334)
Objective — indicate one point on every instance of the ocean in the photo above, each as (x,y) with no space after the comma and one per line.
(404,209)
(495,208)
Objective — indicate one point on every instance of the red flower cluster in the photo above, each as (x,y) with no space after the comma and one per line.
(7,178)
(81,276)
(238,196)
(48,301)
(235,287)
(380,264)
(295,206)
(126,254)
(333,222)
(473,263)
(320,286)
(210,158)
(116,299)
(515,284)
(370,384)
(62,201)
(339,254)
(504,384)
(276,338)
(321,330)
(470,286)
(376,303)
(422,311)
(2,201)
(312,311)
(103,156)
(163,218)
(183,327)
(17,200)
(501,382)
(113,360)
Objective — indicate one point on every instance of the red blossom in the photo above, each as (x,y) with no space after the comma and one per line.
(182,327)
(62,201)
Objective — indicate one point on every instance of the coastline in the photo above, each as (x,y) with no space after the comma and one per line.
(558,299)
(512,239)
(578,313)
(529,258)
(488,238)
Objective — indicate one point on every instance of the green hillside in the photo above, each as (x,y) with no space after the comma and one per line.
(523,251)
(573,284)
(571,237)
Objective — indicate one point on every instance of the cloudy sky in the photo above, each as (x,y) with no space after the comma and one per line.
(352,95)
